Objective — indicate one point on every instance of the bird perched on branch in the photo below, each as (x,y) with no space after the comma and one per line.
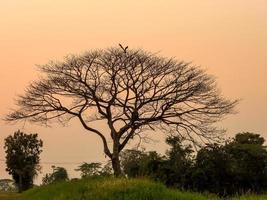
(124,49)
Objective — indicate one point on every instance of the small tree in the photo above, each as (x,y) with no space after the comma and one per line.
(22,158)
(106,169)
(132,91)
(136,163)
(177,168)
(89,169)
(131,162)
(59,174)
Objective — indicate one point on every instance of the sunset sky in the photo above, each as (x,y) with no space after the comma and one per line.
(228,38)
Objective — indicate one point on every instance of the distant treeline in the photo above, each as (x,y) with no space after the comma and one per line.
(237,166)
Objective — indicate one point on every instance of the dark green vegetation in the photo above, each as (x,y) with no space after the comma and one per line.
(59,174)
(89,169)
(22,158)
(236,167)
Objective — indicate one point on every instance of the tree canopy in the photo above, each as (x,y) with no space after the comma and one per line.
(89,169)
(22,158)
(236,167)
(132,91)
(59,174)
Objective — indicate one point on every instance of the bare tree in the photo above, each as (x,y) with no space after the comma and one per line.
(132,90)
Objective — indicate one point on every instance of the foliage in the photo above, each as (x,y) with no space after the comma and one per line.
(132,91)
(151,164)
(22,158)
(239,166)
(59,174)
(89,169)
(174,169)
(106,170)
(249,162)
(136,163)
(177,167)
(131,161)
(8,185)
(212,170)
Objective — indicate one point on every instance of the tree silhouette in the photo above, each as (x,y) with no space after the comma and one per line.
(132,90)
(59,174)
(22,158)
(89,169)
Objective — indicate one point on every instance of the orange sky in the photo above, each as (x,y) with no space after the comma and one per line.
(228,38)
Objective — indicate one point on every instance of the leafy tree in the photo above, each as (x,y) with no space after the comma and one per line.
(59,174)
(238,166)
(131,161)
(177,168)
(22,158)
(249,164)
(89,169)
(132,91)
(136,163)
(248,138)
(106,169)
(212,170)
(47,179)
(151,164)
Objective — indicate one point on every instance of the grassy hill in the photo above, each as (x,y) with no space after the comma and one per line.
(111,189)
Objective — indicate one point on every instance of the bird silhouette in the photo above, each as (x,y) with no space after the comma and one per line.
(124,49)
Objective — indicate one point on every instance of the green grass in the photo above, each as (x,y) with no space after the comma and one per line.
(251,197)
(112,189)
(9,196)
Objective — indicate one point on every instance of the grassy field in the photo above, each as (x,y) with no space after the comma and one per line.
(9,196)
(111,189)
(251,197)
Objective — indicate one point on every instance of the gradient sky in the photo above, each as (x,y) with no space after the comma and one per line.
(228,38)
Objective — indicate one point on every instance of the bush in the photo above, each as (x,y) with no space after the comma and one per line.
(59,174)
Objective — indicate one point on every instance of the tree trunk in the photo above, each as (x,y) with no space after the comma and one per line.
(116,165)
